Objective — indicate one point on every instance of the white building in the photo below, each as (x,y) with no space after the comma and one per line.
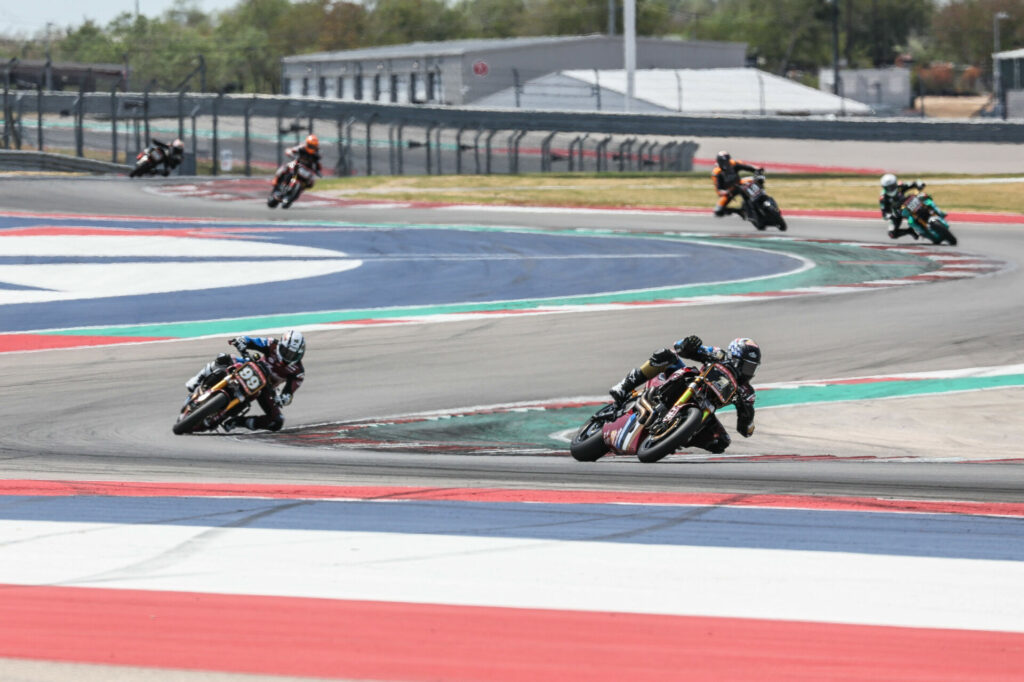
(687,91)
(885,89)
(462,72)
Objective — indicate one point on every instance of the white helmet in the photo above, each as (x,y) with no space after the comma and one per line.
(291,347)
(890,184)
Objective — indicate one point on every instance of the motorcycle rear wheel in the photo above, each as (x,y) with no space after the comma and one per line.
(196,417)
(687,424)
(588,444)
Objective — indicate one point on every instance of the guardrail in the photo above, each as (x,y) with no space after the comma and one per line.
(14,160)
(617,141)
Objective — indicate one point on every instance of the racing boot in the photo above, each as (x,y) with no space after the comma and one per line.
(232,423)
(620,391)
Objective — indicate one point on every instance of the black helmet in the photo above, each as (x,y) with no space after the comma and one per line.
(745,356)
(723,159)
(291,347)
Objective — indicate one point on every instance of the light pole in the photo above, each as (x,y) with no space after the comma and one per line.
(835,47)
(996,79)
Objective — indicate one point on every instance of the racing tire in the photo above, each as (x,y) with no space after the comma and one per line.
(941,231)
(196,417)
(272,202)
(588,444)
(651,450)
(782,224)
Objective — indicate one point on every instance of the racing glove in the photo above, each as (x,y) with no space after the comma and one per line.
(689,346)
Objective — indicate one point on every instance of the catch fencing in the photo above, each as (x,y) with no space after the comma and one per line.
(237,133)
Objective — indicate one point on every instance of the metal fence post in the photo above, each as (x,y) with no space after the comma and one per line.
(426,144)
(369,143)
(113,125)
(458,149)
(80,121)
(195,159)
(280,132)
(545,152)
(7,104)
(248,136)
(215,147)
(513,160)
(437,146)
(391,149)
(145,112)
(476,148)
(181,115)
(39,114)
(401,146)
(490,136)
(19,131)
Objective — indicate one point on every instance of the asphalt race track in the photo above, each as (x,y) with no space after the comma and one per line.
(114,405)
(871,416)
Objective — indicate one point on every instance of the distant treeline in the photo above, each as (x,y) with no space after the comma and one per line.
(242,46)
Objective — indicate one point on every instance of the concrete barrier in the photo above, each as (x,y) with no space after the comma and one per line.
(15,160)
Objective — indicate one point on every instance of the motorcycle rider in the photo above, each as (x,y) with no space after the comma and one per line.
(726,176)
(890,202)
(743,356)
(172,154)
(283,361)
(307,154)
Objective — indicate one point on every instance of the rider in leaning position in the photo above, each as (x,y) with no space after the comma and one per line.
(283,360)
(890,203)
(726,176)
(742,357)
(307,154)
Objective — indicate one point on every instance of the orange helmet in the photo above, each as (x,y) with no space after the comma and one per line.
(312,144)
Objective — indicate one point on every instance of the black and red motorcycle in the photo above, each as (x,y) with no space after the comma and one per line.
(295,178)
(660,417)
(224,394)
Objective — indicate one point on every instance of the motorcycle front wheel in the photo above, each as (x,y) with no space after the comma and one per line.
(658,444)
(196,417)
(588,444)
(941,231)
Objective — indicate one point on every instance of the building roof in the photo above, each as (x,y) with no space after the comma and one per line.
(437,48)
(454,48)
(1010,54)
(688,91)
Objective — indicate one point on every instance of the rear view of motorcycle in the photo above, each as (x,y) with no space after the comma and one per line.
(222,395)
(759,209)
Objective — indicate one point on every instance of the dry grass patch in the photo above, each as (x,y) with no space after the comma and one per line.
(660,190)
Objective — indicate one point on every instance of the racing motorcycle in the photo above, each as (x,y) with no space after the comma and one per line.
(929,222)
(659,417)
(224,394)
(759,208)
(295,178)
(153,157)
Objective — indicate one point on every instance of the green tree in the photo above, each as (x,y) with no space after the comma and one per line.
(962,30)
(404,21)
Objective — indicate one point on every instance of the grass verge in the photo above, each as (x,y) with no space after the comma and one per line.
(792,191)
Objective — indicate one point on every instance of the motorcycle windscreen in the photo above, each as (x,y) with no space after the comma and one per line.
(722,385)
